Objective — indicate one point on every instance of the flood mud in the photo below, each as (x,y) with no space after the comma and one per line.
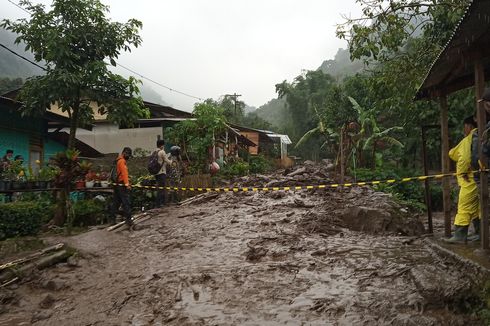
(308,257)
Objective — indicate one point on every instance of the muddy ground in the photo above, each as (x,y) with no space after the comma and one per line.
(309,257)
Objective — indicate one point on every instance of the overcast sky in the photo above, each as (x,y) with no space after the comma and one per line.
(216,47)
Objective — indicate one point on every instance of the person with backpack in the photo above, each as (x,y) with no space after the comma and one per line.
(122,187)
(157,166)
(174,173)
(468,200)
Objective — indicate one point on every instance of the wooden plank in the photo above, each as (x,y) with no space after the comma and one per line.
(481,119)
(446,189)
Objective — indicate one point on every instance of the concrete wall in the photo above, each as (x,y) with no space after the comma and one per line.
(108,138)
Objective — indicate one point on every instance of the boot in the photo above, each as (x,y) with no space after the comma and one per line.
(460,235)
(476,226)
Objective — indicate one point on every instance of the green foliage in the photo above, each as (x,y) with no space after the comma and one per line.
(88,212)
(196,137)
(260,164)
(73,39)
(253,120)
(384,29)
(236,168)
(22,218)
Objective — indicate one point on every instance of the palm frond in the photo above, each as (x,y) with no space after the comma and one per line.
(307,136)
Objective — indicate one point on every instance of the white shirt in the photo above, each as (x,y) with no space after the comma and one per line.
(163,159)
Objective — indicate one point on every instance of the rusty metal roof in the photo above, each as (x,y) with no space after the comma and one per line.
(453,69)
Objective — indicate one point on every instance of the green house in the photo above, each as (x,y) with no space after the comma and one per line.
(28,136)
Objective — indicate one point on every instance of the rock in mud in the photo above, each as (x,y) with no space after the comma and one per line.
(47,302)
(255,253)
(54,285)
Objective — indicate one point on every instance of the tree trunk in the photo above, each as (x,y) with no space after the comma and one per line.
(60,211)
(374,156)
(73,126)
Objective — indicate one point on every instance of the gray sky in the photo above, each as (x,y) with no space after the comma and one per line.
(215,47)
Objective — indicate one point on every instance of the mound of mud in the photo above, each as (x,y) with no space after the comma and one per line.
(377,221)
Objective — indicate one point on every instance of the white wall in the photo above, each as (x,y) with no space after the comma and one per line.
(108,138)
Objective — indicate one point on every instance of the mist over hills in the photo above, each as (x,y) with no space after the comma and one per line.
(275,111)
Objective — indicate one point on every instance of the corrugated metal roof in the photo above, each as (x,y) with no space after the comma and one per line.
(453,69)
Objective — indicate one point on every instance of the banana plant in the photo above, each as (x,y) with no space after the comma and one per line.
(370,135)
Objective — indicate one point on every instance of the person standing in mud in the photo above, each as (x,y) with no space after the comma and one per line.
(161,176)
(122,188)
(174,173)
(468,201)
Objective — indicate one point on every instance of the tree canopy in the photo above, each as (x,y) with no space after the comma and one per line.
(73,39)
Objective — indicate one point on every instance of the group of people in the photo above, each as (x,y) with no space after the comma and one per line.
(465,154)
(169,174)
(8,158)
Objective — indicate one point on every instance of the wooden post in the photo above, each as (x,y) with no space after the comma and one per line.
(481,119)
(446,199)
(426,182)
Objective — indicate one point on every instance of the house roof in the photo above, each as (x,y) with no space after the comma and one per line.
(266,135)
(156,110)
(54,120)
(84,149)
(453,69)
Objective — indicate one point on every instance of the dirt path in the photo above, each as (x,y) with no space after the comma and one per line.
(248,259)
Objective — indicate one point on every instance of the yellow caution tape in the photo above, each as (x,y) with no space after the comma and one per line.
(320,186)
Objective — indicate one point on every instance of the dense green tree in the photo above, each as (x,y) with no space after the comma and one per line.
(195,137)
(73,39)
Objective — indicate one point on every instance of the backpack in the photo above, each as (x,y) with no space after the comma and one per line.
(475,159)
(153,166)
(114,175)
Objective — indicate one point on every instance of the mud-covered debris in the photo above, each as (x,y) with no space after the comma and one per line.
(41,315)
(47,301)
(254,254)
(377,221)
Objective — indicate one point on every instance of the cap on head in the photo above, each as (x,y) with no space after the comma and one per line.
(127,151)
(486,96)
(470,121)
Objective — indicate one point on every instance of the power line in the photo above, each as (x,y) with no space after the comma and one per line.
(20,7)
(128,69)
(22,57)
(159,84)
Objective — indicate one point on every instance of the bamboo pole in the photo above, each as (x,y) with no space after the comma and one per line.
(446,199)
(481,119)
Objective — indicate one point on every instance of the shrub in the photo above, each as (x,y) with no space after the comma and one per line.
(260,164)
(89,212)
(22,218)
(237,168)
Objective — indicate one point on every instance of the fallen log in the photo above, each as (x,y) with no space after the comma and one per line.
(53,259)
(118,225)
(198,199)
(33,256)
(9,274)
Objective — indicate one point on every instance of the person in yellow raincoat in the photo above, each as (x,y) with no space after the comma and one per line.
(468,202)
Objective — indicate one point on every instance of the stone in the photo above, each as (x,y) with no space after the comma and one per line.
(54,285)
(47,302)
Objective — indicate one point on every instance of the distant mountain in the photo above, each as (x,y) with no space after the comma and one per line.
(275,113)
(12,66)
(249,109)
(341,66)
(150,95)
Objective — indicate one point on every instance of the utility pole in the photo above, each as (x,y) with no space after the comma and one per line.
(235,98)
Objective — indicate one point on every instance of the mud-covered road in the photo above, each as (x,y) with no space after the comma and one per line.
(253,259)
